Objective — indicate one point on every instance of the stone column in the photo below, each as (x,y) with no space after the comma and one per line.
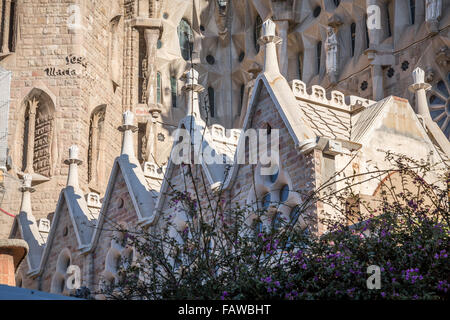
(73,162)
(12,252)
(94,147)
(283,27)
(192,89)
(377,82)
(419,87)
(33,105)
(151,39)
(143,8)
(128,128)
(5,47)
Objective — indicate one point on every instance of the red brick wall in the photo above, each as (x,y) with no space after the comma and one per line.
(7,270)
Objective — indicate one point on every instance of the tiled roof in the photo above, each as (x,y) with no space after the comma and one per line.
(326,122)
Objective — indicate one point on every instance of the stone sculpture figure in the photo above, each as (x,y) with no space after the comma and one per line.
(433,9)
(331,47)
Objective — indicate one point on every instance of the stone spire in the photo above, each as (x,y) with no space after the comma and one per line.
(192,89)
(269,40)
(28,225)
(419,87)
(128,128)
(73,162)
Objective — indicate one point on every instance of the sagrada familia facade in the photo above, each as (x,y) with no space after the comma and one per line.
(92,92)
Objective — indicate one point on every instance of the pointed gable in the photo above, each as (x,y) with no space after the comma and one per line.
(128,197)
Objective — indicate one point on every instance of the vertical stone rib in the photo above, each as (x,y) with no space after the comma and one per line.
(33,105)
(5,47)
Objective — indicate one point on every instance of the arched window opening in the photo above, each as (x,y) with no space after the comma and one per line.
(114,51)
(388,19)
(412,8)
(257,32)
(173,91)
(96,129)
(211,102)
(318,54)
(353,37)
(158,87)
(300,65)
(37,133)
(241,102)
(186,39)
(284,193)
(367,32)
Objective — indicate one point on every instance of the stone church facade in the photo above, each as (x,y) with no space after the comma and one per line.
(332,83)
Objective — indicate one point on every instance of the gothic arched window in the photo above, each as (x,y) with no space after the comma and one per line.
(38,133)
(186,39)
(158,87)
(300,65)
(114,51)
(173,91)
(257,31)
(211,102)
(96,129)
(353,37)
(367,32)
(412,8)
(388,18)
(318,54)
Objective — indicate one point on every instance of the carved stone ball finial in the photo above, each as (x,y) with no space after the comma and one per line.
(128,118)
(27,179)
(418,75)
(419,80)
(74,152)
(26,185)
(192,77)
(268,28)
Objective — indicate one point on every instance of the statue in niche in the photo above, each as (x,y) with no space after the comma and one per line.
(331,47)
(433,9)
(432,14)
(95,137)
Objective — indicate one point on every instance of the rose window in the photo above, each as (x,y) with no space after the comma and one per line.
(439,103)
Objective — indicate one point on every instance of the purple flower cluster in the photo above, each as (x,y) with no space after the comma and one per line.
(441,254)
(412,275)
(443,286)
